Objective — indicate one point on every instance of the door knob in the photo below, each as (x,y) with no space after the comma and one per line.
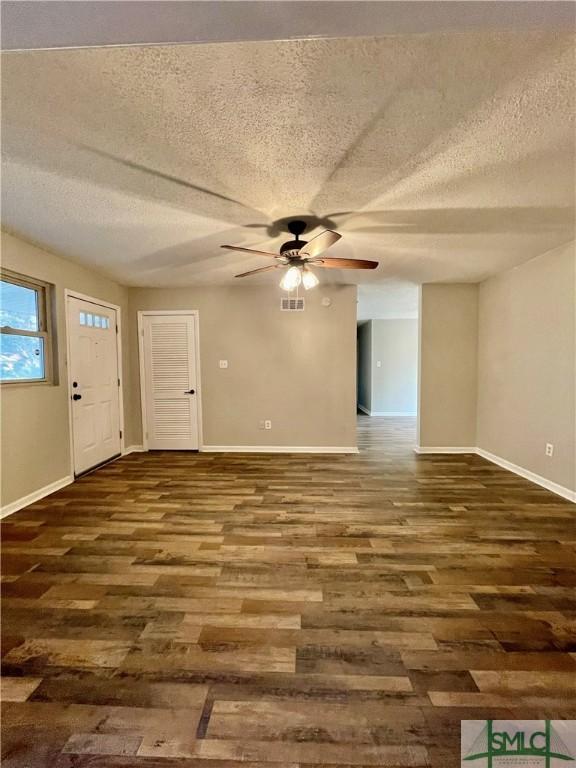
(76,397)
(189,392)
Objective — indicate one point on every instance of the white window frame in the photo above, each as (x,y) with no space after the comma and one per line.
(45,330)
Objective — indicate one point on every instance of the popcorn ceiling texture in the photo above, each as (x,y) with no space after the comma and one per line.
(447,157)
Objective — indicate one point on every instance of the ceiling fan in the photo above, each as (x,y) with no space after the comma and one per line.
(299,255)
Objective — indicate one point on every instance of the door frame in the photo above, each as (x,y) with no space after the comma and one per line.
(150,313)
(69,293)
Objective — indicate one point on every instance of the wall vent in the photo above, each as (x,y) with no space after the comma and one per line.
(289,304)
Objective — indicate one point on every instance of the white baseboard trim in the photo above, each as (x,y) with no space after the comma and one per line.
(364,409)
(560,490)
(133,449)
(24,501)
(444,449)
(277,449)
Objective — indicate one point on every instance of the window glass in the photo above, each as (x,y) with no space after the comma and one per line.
(18,307)
(105,322)
(97,321)
(21,357)
(26,343)
(89,319)
(82,318)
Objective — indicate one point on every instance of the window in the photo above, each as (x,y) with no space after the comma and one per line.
(25,337)
(94,321)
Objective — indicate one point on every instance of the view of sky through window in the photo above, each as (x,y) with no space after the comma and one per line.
(21,357)
(18,307)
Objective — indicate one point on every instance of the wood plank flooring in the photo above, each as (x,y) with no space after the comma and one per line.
(275,611)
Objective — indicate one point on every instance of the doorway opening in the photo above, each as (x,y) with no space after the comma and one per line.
(387,350)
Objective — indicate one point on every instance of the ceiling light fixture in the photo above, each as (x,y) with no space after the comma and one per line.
(298,254)
(309,279)
(291,279)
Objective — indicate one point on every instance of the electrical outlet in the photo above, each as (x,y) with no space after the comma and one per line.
(549,449)
(267,424)
(262,424)
(378,363)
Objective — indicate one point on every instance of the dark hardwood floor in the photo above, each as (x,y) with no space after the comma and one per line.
(213,610)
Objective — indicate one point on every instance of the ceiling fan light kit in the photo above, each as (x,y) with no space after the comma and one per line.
(298,255)
(292,279)
(309,279)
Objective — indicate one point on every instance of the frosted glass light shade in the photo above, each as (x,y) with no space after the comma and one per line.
(291,279)
(309,279)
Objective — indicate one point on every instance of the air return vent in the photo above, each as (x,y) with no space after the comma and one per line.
(288,304)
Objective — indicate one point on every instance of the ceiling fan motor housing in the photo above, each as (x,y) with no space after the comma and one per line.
(296,228)
(292,245)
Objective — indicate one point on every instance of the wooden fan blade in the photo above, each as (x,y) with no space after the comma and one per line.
(319,244)
(344,263)
(262,269)
(250,250)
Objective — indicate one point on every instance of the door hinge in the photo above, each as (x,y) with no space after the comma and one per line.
(116,329)
(120,433)
(118,382)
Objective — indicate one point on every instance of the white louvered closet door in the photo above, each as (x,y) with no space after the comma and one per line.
(170,384)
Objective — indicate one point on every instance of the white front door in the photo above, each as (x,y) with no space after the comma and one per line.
(170,385)
(94,383)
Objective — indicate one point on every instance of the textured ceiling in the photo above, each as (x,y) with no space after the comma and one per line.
(444,156)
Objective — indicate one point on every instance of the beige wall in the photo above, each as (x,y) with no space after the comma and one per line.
(526,379)
(297,369)
(448,365)
(35,428)
(497,367)
(395,381)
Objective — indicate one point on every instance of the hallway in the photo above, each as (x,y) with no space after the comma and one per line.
(283,610)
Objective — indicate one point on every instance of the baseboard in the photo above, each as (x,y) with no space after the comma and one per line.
(24,501)
(365,410)
(560,490)
(259,449)
(132,449)
(444,449)
(277,449)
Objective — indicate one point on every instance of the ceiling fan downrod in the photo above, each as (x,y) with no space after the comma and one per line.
(296,228)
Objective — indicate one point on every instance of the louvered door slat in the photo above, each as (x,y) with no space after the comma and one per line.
(170,374)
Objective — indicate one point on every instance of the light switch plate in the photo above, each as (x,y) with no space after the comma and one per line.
(223,363)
